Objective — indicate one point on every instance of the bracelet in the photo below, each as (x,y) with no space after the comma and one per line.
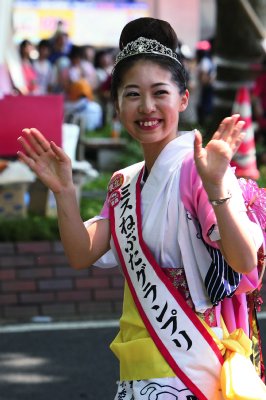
(219,202)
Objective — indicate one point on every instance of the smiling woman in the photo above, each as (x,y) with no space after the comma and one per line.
(148,102)
(176,225)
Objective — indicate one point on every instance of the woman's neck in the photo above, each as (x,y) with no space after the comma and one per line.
(151,152)
(150,158)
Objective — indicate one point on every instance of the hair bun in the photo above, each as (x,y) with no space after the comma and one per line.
(150,28)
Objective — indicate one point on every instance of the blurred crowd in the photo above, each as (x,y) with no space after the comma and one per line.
(82,74)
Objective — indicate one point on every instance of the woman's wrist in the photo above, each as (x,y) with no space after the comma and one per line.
(216,192)
(220,201)
(65,192)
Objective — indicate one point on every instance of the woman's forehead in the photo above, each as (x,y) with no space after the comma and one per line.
(148,68)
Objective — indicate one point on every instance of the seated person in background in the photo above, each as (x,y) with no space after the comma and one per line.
(87,65)
(59,78)
(79,103)
(80,69)
(104,62)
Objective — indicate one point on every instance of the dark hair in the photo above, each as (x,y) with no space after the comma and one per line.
(75,52)
(150,28)
(23,45)
(44,43)
(100,54)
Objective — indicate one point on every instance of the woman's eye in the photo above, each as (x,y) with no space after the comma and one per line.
(161,92)
(132,94)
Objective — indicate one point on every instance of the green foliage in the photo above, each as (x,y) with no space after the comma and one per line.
(262,178)
(35,227)
(132,154)
(103,132)
(29,228)
(89,207)
(93,196)
(100,183)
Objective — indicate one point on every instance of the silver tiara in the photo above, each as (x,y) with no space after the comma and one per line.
(145,46)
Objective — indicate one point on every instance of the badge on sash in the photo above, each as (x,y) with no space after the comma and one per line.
(114,198)
(114,194)
(115,183)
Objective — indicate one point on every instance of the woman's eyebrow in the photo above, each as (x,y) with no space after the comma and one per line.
(130,86)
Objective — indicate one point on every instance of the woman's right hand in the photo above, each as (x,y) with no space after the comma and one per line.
(46,159)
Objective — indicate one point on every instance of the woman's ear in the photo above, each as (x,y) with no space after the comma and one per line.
(184,101)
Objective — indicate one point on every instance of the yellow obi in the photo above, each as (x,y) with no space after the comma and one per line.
(140,359)
(138,355)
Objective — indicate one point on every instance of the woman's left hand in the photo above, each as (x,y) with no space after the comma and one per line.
(213,160)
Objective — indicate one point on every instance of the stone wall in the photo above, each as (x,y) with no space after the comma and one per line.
(36,280)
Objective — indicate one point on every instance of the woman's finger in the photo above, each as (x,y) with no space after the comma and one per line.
(222,127)
(237,133)
(40,139)
(197,143)
(225,128)
(46,146)
(30,152)
(59,152)
(27,160)
(237,136)
(36,140)
(229,127)
(32,141)
(238,129)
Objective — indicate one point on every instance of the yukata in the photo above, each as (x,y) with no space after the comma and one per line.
(175,212)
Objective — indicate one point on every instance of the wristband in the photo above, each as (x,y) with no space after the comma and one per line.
(219,202)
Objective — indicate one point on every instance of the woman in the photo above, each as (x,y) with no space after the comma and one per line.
(174,223)
(30,76)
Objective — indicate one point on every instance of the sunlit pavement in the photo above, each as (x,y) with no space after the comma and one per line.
(64,361)
(57,364)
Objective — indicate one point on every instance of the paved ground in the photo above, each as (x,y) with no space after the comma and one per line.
(61,363)
(68,364)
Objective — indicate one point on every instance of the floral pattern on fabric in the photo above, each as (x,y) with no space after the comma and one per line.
(178,278)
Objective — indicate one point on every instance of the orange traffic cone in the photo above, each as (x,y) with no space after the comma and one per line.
(245,158)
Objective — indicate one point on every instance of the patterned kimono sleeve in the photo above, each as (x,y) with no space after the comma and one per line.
(195,200)
(221,280)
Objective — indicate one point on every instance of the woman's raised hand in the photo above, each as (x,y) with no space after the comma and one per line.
(213,160)
(46,159)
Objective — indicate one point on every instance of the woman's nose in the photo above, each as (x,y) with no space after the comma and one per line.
(147,105)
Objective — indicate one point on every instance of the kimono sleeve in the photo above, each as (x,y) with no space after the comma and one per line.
(107,260)
(195,200)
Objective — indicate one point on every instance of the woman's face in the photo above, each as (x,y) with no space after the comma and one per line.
(27,49)
(149,102)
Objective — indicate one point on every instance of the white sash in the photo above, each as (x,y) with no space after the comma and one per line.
(174,327)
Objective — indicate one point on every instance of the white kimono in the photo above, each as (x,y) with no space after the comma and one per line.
(169,237)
